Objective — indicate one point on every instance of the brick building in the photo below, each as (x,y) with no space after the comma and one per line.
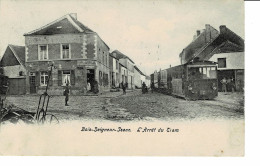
(78,54)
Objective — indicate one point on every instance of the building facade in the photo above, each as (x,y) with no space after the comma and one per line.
(13,65)
(114,71)
(139,77)
(129,64)
(78,55)
(122,74)
(231,67)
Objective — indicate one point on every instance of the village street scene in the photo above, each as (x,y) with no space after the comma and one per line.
(65,71)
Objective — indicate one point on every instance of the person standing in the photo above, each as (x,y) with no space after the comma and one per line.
(123,87)
(224,84)
(66,94)
(143,87)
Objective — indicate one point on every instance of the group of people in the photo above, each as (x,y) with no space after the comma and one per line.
(227,84)
(125,85)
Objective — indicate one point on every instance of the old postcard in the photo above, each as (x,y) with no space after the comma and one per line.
(122,78)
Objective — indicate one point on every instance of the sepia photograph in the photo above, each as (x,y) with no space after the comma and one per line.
(122,78)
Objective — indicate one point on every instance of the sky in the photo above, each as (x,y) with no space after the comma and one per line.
(151,32)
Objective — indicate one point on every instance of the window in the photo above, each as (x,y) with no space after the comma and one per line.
(44,78)
(66,77)
(116,64)
(65,51)
(43,52)
(222,63)
(202,73)
(104,59)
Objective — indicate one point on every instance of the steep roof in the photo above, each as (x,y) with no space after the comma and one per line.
(120,55)
(227,41)
(14,55)
(223,41)
(19,52)
(63,25)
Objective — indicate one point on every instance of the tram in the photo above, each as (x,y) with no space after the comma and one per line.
(193,81)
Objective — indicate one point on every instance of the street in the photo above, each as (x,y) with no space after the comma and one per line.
(136,106)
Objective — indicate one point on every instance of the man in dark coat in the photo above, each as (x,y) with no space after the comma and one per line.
(144,87)
(66,94)
(123,87)
(152,87)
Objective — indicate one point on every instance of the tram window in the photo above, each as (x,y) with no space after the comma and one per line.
(194,73)
(202,73)
(210,73)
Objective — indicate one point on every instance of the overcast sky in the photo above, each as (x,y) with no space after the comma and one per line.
(151,33)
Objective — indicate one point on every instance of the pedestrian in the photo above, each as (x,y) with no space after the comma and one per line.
(224,84)
(232,85)
(95,87)
(143,88)
(152,87)
(66,94)
(126,86)
(123,88)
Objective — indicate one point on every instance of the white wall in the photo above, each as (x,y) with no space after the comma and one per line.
(137,78)
(142,78)
(13,71)
(234,60)
(147,82)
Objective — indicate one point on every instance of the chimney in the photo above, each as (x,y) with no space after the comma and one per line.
(207,33)
(207,27)
(222,28)
(194,37)
(74,15)
(198,32)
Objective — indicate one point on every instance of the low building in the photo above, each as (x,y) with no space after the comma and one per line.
(13,65)
(114,71)
(231,67)
(122,74)
(77,53)
(148,81)
(129,64)
(139,77)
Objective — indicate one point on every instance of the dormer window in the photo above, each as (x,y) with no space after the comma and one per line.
(65,51)
(43,52)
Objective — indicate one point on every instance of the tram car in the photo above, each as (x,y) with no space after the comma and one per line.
(192,81)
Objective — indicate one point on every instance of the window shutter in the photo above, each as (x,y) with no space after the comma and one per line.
(72,77)
(50,78)
(37,79)
(100,78)
(59,78)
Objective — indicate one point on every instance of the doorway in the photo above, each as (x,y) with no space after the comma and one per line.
(91,78)
(32,84)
